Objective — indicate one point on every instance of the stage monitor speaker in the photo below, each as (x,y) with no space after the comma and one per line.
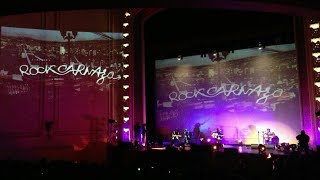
(230,150)
(254,146)
(268,146)
(206,148)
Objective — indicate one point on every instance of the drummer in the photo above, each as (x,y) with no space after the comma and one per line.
(267,136)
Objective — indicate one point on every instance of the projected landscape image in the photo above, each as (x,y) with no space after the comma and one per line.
(64,74)
(243,93)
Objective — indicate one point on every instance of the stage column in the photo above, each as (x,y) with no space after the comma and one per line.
(306,79)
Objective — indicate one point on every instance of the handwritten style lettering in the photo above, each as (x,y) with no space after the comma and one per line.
(226,89)
(75,69)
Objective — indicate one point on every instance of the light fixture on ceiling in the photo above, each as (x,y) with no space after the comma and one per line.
(317,69)
(127,14)
(125,24)
(314,26)
(125,34)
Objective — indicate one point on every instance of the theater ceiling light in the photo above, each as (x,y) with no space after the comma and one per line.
(125,66)
(314,40)
(126,119)
(125,34)
(125,97)
(125,55)
(318,99)
(316,54)
(125,24)
(125,86)
(125,44)
(126,76)
(314,26)
(317,69)
(127,14)
(125,108)
(317,84)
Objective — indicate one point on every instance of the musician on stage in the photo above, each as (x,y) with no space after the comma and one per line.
(218,134)
(175,137)
(267,136)
(186,136)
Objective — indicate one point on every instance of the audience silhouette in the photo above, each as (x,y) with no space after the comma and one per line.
(303,139)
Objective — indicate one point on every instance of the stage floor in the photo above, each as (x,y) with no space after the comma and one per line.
(247,149)
(242,149)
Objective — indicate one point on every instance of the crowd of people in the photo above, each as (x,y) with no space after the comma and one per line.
(171,164)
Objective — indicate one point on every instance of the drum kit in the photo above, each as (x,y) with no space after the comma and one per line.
(217,135)
(270,137)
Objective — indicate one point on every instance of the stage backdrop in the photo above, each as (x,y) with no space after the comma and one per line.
(61,82)
(243,92)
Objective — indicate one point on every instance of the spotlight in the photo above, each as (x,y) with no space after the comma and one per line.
(208,140)
(316,54)
(125,55)
(125,44)
(125,86)
(127,14)
(126,119)
(262,148)
(314,26)
(125,34)
(317,69)
(125,97)
(125,76)
(215,147)
(179,57)
(125,24)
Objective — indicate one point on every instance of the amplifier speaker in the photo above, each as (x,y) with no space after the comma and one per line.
(207,148)
(268,146)
(254,146)
(230,150)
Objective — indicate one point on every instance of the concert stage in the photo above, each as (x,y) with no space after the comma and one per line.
(231,148)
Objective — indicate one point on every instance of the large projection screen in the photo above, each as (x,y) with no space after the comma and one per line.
(243,93)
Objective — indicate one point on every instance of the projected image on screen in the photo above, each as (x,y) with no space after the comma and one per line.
(243,93)
(59,72)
